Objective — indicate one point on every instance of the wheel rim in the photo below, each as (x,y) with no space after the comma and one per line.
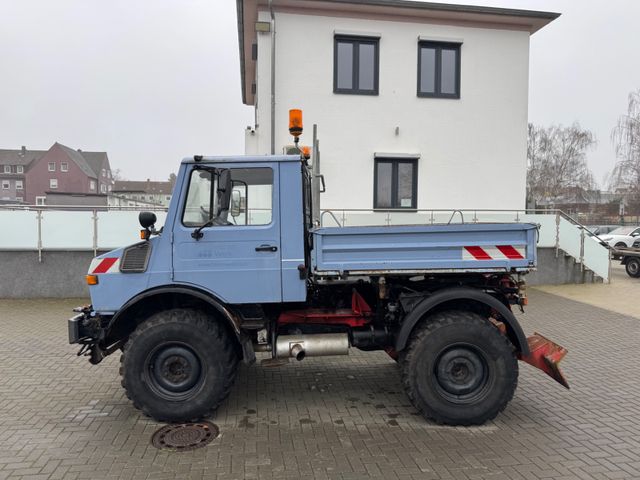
(174,371)
(633,267)
(462,374)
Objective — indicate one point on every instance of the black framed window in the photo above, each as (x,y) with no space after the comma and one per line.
(355,65)
(438,69)
(395,183)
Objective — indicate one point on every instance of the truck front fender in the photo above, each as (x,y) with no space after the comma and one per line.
(157,297)
(514,330)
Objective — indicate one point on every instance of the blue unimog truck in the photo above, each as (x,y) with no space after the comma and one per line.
(240,267)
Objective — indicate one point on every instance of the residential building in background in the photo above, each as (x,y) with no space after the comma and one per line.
(418,105)
(60,174)
(13,167)
(141,193)
(63,169)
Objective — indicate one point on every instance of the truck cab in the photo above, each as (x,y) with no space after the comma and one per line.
(240,266)
(228,234)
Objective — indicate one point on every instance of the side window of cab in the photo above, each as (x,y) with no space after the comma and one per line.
(229,197)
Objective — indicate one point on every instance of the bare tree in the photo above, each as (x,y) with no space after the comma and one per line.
(625,177)
(556,158)
(117,174)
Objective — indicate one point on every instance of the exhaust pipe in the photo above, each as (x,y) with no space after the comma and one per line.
(317,345)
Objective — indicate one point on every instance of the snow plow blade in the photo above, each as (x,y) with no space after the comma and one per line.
(545,355)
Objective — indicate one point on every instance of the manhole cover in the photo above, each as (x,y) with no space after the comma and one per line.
(184,436)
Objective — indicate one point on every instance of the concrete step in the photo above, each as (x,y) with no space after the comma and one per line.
(560,269)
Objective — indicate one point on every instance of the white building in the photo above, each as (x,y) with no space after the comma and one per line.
(128,193)
(418,105)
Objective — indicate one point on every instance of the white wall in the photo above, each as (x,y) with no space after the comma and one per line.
(473,150)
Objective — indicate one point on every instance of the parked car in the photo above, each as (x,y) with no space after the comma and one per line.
(593,235)
(601,230)
(622,237)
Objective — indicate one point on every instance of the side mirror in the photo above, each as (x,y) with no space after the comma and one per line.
(635,234)
(147,219)
(224,192)
(236,203)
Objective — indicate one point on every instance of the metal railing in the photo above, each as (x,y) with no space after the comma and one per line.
(74,227)
(69,227)
(100,227)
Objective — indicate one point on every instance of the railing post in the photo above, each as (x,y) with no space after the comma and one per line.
(95,233)
(557,234)
(582,249)
(39,219)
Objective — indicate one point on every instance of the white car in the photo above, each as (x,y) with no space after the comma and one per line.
(622,237)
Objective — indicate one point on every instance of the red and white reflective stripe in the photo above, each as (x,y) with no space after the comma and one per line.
(494,252)
(104,265)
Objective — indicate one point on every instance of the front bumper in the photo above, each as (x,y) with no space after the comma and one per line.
(74,324)
(86,327)
(89,329)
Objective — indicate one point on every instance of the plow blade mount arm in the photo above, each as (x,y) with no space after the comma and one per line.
(545,355)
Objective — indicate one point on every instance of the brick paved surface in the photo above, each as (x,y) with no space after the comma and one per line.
(619,295)
(344,418)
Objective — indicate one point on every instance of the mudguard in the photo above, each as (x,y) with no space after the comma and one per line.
(514,330)
(232,320)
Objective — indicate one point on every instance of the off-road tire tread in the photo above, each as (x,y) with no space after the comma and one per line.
(421,333)
(201,321)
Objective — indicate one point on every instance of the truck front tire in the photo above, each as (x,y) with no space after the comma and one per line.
(179,365)
(458,369)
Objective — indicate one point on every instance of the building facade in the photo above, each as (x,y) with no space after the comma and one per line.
(63,169)
(418,105)
(128,193)
(41,177)
(13,167)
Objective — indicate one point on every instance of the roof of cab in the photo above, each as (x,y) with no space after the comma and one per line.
(241,159)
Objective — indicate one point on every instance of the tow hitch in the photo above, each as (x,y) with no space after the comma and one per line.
(88,329)
(545,355)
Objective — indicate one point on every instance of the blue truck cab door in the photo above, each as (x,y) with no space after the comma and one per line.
(237,255)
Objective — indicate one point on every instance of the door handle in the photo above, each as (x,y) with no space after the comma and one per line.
(267,248)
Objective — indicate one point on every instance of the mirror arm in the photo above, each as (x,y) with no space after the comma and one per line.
(197,233)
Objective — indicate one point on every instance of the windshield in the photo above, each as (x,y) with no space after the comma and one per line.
(201,204)
(622,231)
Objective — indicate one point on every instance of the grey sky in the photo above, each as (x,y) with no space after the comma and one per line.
(153,81)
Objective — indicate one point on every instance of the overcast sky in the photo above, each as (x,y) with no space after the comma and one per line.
(153,81)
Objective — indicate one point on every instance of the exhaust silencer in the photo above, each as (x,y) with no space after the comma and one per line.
(317,345)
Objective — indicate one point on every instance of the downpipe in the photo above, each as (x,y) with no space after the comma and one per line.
(315,345)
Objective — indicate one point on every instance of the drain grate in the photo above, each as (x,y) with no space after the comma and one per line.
(184,436)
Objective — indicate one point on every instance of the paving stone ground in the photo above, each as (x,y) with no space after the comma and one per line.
(327,418)
(619,295)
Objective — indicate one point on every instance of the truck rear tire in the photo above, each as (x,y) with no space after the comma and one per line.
(633,267)
(179,365)
(458,369)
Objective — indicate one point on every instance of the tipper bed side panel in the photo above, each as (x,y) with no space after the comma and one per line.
(458,247)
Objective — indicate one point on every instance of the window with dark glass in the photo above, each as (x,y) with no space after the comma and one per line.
(395,183)
(439,70)
(355,65)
